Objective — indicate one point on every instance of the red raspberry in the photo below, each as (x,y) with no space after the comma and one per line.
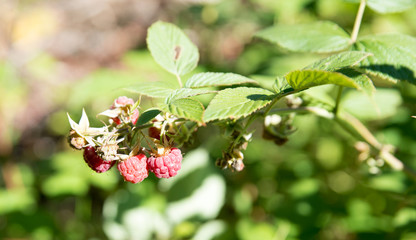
(167,165)
(95,162)
(134,168)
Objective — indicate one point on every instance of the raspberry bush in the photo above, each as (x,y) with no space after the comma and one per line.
(236,101)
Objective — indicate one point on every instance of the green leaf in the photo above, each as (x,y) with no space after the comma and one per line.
(236,103)
(62,184)
(363,81)
(147,115)
(385,103)
(152,89)
(211,79)
(320,37)
(390,6)
(340,60)
(185,93)
(15,200)
(198,191)
(171,48)
(394,57)
(303,79)
(280,85)
(186,108)
(387,6)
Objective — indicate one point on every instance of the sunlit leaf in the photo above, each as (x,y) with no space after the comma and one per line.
(205,202)
(385,103)
(185,108)
(185,93)
(394,57)
(387,6)
(211,79)
(152,89)
(390,6)
(197,190)
(171,48)
(340,60)
(363,81)
(303,79)
(341,63)
(320,37)
(237,102)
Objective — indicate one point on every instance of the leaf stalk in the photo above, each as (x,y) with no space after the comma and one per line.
(338,100)
(357,22)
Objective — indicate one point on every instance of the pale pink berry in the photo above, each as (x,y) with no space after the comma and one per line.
(166,165)
(134,169)
(125,103)
(122,101)
(133,118)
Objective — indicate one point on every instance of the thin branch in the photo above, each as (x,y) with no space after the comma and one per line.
(144,126)
(384,154)
(248,123)
(338,100)
(179,80)
(315,110)
(275,100)
(362,130)
(357,22)
(396,164)
(355,128)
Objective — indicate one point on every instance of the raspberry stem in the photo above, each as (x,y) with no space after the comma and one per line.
(147,141)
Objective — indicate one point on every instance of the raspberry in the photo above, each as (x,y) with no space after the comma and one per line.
(95,162)
(124,103)
(167,165)
(133,118)
(134,169)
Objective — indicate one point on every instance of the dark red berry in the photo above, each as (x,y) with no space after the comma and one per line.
(95,162)
(154,132)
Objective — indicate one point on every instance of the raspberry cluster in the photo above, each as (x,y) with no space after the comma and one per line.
(232,158)
(119,143)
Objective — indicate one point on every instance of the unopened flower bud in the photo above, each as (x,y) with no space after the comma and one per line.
(293,101)
(238,165)
(272,120)
(75,140)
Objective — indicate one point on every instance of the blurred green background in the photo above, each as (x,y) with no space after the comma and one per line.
(61,56)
